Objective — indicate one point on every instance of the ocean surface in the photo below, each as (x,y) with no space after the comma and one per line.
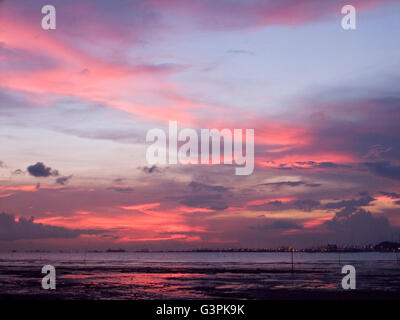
(197,275)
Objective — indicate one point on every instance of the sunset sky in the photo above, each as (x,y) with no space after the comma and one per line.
(76,104)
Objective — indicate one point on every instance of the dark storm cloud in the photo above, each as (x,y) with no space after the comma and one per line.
(40,170)
(360,227)
(329,165)
(2,164)
(269,206)
(342,208)
(384,169)
(279,225)
(12,229)
(63,180)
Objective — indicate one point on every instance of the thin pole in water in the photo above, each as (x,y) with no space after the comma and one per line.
(292,260)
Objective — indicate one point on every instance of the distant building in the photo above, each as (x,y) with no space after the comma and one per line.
(388,246)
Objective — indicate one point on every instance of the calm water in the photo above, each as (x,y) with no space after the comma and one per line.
(192,275)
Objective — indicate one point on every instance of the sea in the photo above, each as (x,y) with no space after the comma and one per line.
(195,275)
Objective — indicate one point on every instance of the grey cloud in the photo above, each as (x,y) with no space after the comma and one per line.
(392,195)
(40,170)
(269,206)
(384,169)
(353,203)
(121,189)
(208,201)
(306,205)
(376,151)
(290,184)
(326,164)
(348,207)
(284,183)
(63,180)
(313,185)
(310,164)
(360,227)
(277,205)
(280,225)
(17,172)
(345,212)
(12,229)
(152,169)
(196,186)
(205,196)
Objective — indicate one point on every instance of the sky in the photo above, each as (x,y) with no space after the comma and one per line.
(77,102)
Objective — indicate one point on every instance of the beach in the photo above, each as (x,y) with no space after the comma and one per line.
(198,275)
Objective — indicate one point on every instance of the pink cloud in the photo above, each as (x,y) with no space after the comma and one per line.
(229,15)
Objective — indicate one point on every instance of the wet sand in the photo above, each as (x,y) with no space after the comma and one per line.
(134,276)
(201,282)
